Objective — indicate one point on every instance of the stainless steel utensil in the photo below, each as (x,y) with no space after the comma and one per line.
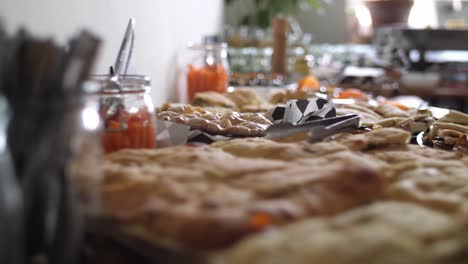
(316,130)
(126,49)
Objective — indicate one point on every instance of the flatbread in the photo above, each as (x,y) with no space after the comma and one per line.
(383,233)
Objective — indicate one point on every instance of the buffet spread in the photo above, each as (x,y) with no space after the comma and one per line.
(373,194)
(310,174)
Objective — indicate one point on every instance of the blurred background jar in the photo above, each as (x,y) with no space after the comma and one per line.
(126,111)
(203,67)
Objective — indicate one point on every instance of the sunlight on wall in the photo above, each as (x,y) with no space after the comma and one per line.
(364,19)
(363,15)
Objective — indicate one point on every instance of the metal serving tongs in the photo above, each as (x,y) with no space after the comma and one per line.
(316,130)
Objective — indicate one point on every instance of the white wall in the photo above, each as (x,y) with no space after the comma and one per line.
(162,28)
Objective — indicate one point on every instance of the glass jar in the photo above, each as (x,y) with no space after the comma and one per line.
(56,153)
(10,201)
(85,167)
(204,67)
(126,112)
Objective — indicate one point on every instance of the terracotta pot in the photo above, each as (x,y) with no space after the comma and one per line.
(389,12)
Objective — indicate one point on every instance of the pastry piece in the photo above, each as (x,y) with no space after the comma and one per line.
(218,109)
(259,147)
(282,97)
(413,124)
(232,123)
(382,233)
(388,115)
(366,119)
(247,100)
(261,108)
(455,117)
(363,108)
(205,198)
(445,134)
(215,99)
(379,138)
(390,122)
(388,110)
(242,100)
(462,144)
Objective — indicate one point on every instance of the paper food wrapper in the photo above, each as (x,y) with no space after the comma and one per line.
(301,111)
(170,133)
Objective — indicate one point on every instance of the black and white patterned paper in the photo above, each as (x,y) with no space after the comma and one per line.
(170,133)
(301,111)
(198,136)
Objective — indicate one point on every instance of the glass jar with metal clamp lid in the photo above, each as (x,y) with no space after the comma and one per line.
(126,111)
(203,68)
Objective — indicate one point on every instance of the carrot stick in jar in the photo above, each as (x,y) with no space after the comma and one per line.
(150,135)
(143,134)
(151,143)
(113,131)
(133,130)
(106,143)
(138,136)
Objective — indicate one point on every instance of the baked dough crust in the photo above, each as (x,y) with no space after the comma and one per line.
(185,193)
(383,233)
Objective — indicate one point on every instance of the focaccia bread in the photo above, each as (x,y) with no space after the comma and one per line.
(383,233)
(260,147)
(282,97)
(209,197)
(433,178)
(212,99)
(388,110)
(231,123)
(375,139)
(206,198)
(241,99)
(247,100)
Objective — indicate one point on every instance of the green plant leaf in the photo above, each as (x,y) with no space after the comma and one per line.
(263,19)
(314,3)
(244,21)
(228,2)
(264,10)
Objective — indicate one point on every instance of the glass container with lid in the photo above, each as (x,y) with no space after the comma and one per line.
(204,67)
(126,111)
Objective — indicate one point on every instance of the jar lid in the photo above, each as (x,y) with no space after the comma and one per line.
(117,84)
